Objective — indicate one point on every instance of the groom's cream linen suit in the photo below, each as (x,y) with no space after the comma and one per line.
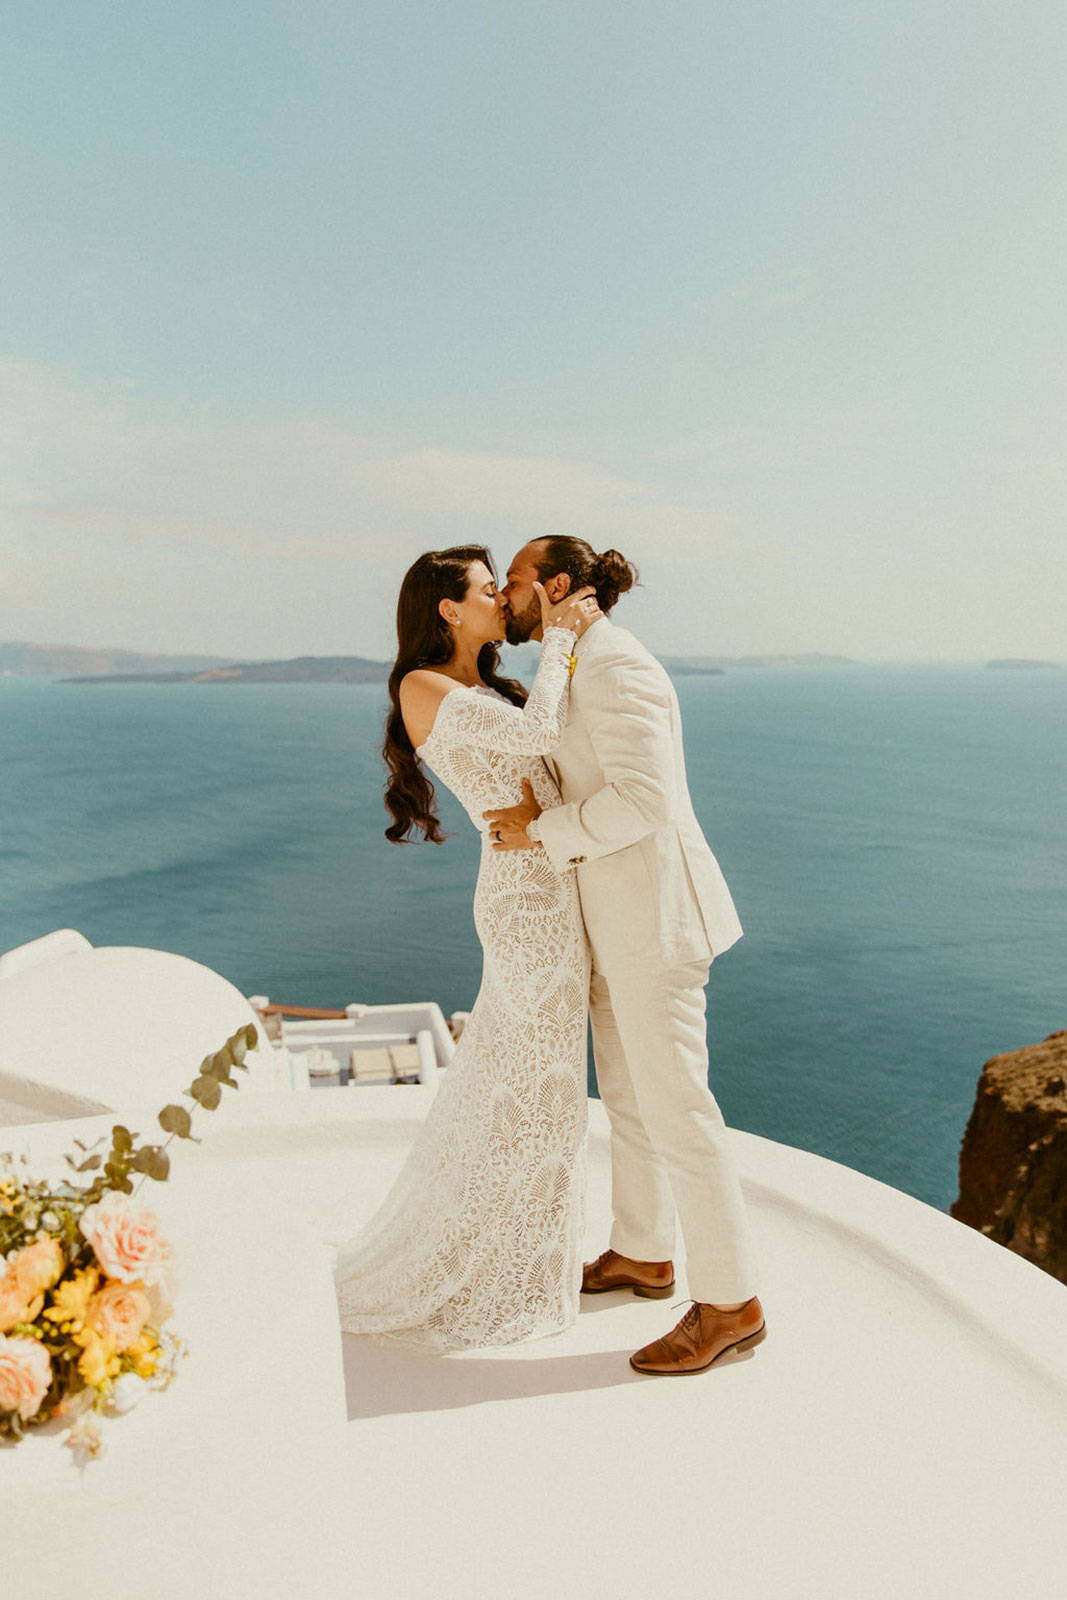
(657,911)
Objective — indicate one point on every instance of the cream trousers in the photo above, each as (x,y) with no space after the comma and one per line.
(670,1147)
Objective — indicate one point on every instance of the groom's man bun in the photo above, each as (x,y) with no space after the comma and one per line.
(610,573)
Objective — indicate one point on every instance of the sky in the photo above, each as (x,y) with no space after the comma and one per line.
(768,296)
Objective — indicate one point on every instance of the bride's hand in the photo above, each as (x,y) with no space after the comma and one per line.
(575,611)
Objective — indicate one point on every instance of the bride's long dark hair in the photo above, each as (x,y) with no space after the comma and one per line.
(424,639)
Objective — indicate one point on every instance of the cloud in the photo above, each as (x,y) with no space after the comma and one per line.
(176,510)
(287,536)
(74,458)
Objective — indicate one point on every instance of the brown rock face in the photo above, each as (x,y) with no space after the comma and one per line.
(1013,1159)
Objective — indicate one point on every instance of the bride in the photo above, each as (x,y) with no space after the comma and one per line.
(479,1240)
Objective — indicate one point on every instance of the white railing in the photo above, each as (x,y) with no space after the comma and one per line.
(407,1043)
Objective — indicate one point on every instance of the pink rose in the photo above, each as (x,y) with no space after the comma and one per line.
(25,1373)
(13,1303)
(118,1312)
(128,1241)
(37,1266)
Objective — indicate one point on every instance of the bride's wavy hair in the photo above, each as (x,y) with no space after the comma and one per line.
(424,639)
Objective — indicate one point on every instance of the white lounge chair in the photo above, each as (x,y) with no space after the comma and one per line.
(410,1040)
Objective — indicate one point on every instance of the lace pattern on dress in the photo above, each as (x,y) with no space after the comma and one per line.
(479,1240)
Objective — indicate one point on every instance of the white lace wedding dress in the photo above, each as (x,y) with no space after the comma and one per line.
(479,1240)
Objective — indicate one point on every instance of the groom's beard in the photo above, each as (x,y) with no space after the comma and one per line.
(521,627)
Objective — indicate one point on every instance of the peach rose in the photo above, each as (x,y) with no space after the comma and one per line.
(13,1305)
(118,1312)
(25,1373)
(37,1266)
(128,1241)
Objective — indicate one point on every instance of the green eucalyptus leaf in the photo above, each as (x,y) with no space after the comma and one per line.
(207,1092)
(153,1160)
(121,1138)
(89,1165)
(175,1119)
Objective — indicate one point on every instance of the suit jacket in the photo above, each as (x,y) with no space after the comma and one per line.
(648,881)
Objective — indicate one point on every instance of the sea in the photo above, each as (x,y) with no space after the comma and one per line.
(894,837)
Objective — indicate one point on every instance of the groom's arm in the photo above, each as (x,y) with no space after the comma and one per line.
(627,712)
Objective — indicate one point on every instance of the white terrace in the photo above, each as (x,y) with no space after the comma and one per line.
(900,1435)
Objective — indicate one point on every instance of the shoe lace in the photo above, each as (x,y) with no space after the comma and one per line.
(691,1319)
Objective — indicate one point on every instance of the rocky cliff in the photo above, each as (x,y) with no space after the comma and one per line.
(1013,1159)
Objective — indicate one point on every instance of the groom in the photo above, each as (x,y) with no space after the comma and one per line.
(657,910)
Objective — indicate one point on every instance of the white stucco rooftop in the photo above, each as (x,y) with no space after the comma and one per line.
(901,1432)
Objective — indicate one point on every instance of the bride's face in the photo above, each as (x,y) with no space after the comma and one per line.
(481,611)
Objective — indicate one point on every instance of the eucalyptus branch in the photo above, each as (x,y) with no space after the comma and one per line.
(151,1160)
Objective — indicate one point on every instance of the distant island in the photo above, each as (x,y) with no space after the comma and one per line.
(76,664)
(18,660)
(723,663)
(358,669)
(302,669)
(1020,661)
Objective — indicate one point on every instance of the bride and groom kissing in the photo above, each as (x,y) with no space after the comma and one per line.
(598,901)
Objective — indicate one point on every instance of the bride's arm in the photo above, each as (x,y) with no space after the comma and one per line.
(468,717)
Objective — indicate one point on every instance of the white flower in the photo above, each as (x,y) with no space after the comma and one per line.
(126,1391)
(172,1350)
(84,1435)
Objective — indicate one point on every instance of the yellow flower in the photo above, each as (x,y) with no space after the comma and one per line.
(144,1354)
(70,1298)
(98,1360)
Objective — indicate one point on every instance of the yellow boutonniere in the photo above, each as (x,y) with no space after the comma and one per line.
(572,662)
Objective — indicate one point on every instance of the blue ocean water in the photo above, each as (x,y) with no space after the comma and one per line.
(894,838)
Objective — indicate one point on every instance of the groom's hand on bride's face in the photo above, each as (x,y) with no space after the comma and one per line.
(507,828)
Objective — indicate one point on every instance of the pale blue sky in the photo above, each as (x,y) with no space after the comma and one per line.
(769,296)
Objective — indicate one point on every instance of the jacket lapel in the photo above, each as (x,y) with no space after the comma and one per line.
(552,770)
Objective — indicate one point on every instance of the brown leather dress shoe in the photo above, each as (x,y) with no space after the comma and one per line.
(701,1337)
(652,1280)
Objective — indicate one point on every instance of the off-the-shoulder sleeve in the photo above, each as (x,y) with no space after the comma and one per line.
(470,718)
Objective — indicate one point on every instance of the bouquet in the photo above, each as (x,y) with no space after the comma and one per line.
(85,1277)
